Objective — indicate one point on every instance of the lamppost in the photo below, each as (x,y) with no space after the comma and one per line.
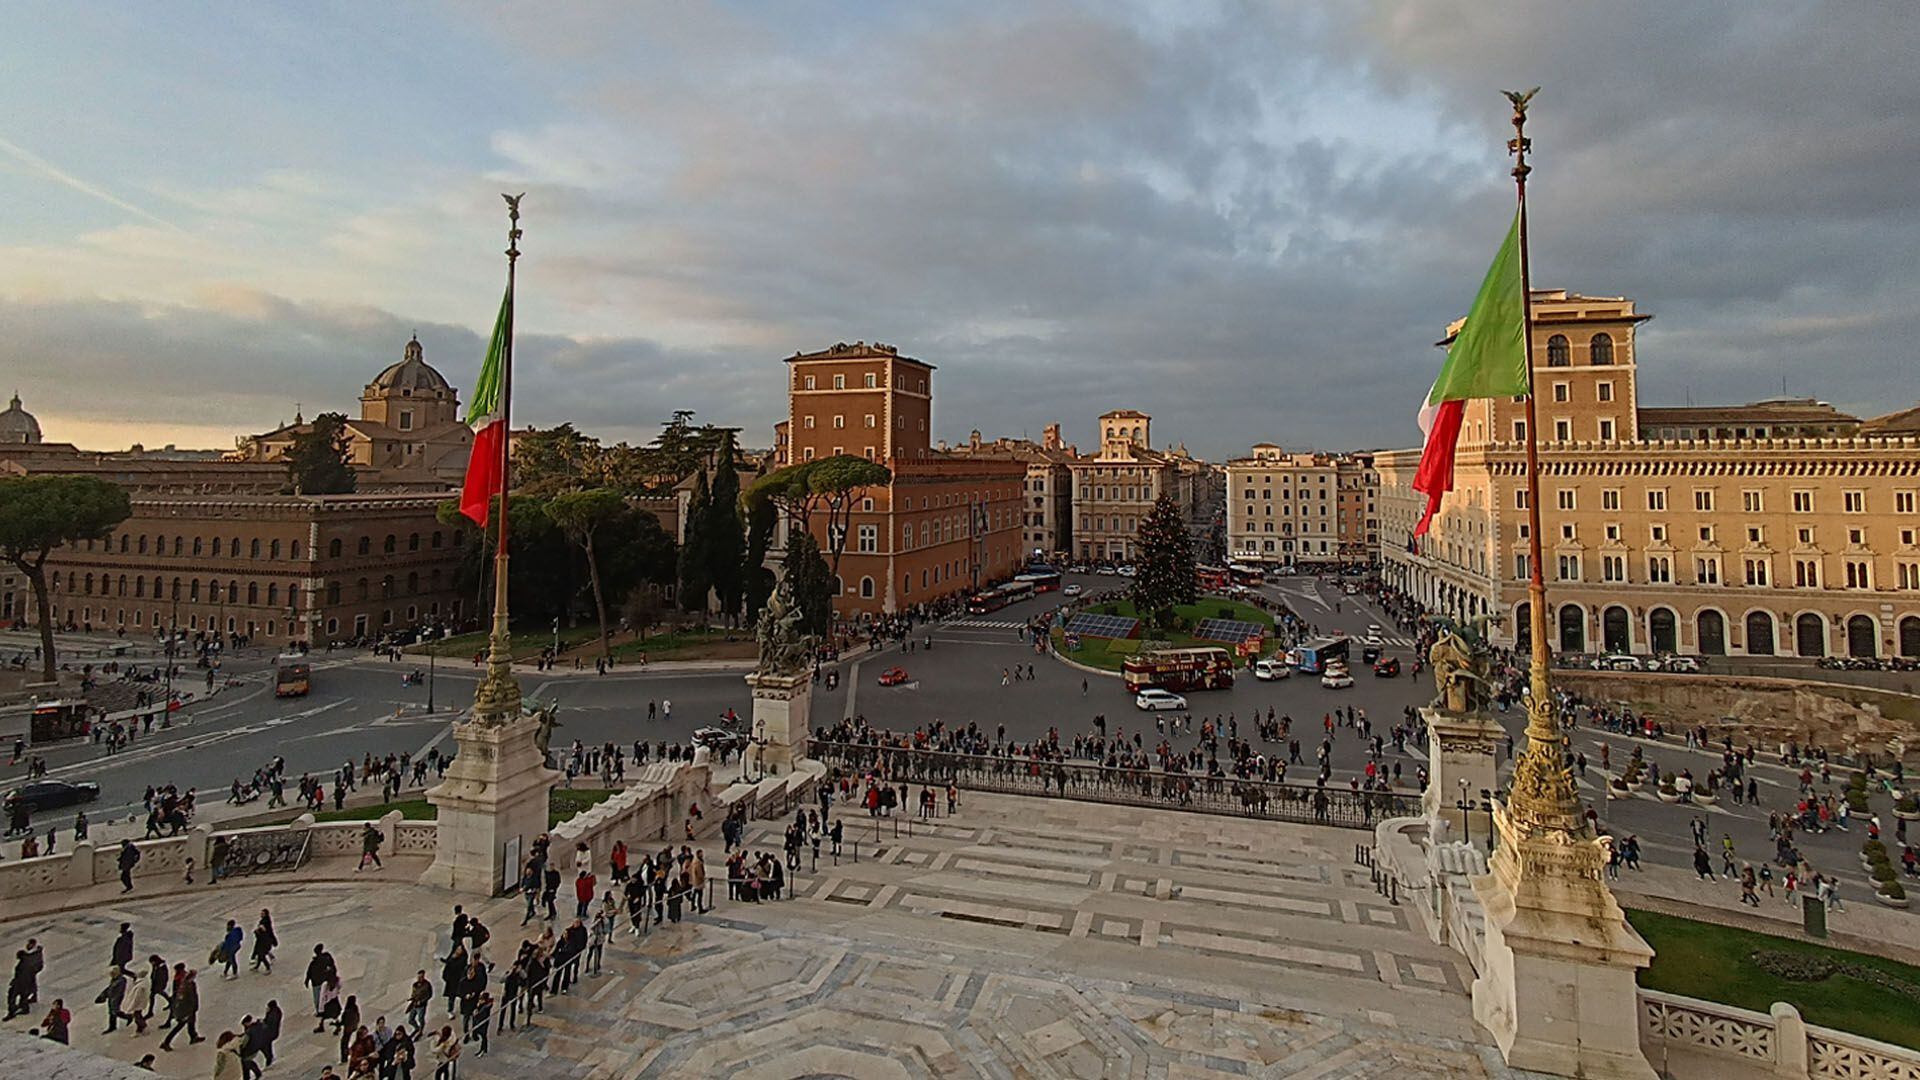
(556,637)
(756,741)
(1465,806)
(430,655)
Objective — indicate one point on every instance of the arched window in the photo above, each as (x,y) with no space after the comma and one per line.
(1910,636)
(233,592)
(273,550)
(253,593)
(1713,633)
(123,585)
(296,549)
(1863,637)
(1810,634)
(273,595)
(179,545)
(193,591)
(360,589)
(1760,634)
(88,590)
(438,539)
(386,587)
(143,543)
(1600,350)
(366,545)
(233,547)
(333,594)
(198,544)
(391,544)
(123,545)
(176,588)
(333,548)
(216,547)
(413,542)
(866,588)
(253,549)
(213,590)
(1557,355)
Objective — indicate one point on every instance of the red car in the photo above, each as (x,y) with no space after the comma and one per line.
(893,676)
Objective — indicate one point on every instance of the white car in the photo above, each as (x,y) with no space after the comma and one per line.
(1615,662)
(1106,571)
(1070,590)
(1271,669)
(1336,679)
(1127,571)
(1154,700)
(1685,665)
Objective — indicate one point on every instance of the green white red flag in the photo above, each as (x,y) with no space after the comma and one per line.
(487,417)
(1488,359)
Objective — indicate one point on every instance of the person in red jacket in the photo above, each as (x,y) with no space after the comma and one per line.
(583,887)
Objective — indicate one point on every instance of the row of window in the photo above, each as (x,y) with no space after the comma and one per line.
(231,548)
(1751,501)
(1805,536)
(1599,351)
(869,381)
(188,590)
(1755,571)
(190,621)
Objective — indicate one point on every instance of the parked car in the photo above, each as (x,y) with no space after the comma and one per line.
(1687,665)
(1153,699)
(1272,668)
(1336,678)
(1070,589)
(1128,571)
(1387,668)
(718,739)
(893,676)
(52,794)
(1106,571)
(1615,662)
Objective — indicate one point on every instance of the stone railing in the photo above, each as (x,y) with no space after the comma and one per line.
(1687,1037)
(85,865)
(652,809)
(775,796)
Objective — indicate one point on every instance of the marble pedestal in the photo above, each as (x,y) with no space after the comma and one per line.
(782,715)
(492,805)
(1460,746)
(1558,990)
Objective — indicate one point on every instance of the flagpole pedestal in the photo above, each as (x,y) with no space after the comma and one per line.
(1558,990)
(782,719)
(492,805)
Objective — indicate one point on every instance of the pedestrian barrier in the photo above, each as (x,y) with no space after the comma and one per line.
(1303,803)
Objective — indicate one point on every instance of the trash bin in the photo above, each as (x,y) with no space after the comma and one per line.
(1813,916)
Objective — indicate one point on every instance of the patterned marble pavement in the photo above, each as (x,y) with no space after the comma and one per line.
(1022,938)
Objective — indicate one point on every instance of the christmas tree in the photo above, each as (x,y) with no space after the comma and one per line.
(1165,566)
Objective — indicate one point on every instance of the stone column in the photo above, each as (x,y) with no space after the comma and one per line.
(1460,746)
(492,805)
(782,715)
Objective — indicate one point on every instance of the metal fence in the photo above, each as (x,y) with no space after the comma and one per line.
(1304,803)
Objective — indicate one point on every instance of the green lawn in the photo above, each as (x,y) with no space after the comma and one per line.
(563,804)
(1716,963)
(1110,653)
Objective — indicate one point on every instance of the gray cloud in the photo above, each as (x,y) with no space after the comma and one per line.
(1250,220)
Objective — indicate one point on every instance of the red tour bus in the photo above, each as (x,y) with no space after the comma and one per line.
(1212,578)
(1205,668)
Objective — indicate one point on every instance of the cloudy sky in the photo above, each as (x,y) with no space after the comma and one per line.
(1249,219)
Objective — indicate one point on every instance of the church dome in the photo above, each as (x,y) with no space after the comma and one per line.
(411,377)
(17,425)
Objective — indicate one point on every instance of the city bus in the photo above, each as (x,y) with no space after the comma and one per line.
(1313,656)
(1042,578)
(1211,578)
(999,596)
(292,676)
(1203,668)
(1251,576)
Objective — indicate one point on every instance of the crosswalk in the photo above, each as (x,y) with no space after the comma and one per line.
(995,624)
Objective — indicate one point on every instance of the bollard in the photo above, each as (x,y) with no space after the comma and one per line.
(1394,896)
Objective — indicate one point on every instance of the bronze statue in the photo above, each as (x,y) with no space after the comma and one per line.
(1462,664)
(549,716)
(784,648)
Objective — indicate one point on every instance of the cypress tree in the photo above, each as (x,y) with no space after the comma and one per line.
(726,534)
(696,559)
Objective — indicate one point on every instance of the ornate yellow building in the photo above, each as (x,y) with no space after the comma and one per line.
(1778,528)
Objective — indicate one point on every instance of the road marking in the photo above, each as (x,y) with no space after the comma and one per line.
(853,686)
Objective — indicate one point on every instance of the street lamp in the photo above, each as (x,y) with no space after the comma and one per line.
(756,741)
(430,654)
(1465,806)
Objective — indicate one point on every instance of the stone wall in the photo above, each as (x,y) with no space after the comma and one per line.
(1768,710)
(1686,1037)
(84,865)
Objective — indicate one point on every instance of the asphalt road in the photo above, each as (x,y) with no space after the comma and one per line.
(358,706)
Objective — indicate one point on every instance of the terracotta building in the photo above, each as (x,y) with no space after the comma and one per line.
(945,525)
(1777,528)
(277,568)
(409,430)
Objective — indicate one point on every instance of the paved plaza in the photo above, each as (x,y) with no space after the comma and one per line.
(1019,938)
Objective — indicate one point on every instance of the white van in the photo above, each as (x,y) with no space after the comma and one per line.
(1274,667)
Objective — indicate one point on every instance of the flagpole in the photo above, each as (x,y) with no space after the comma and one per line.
(1543,796)
(497,688)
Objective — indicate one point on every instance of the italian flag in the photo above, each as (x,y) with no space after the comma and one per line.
(1488,359)
(489,422)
